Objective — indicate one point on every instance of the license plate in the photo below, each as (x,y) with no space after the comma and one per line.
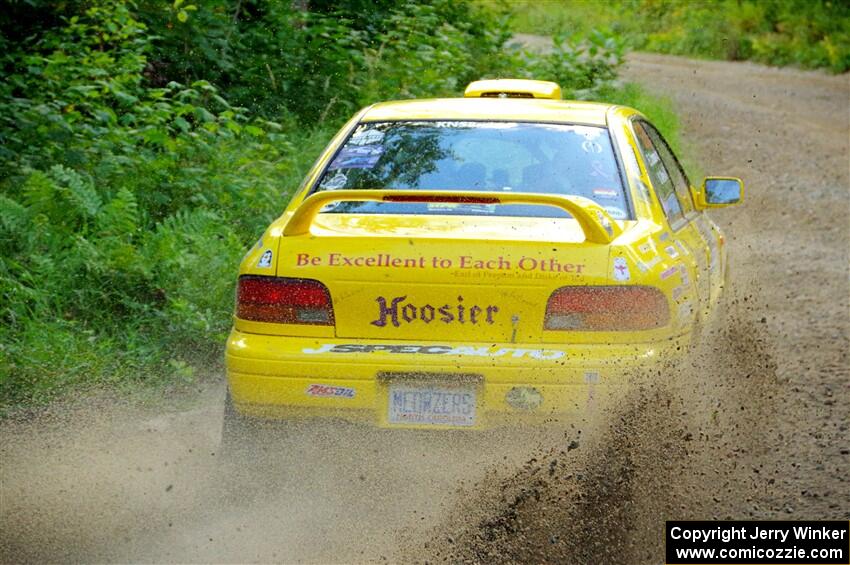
(431,405)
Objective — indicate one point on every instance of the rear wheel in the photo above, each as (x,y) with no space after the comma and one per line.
(254,451)
(239,434)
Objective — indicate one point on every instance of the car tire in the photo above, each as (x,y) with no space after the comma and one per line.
(252,451)
(239,434)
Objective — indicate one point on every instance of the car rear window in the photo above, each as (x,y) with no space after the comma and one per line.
(477,156)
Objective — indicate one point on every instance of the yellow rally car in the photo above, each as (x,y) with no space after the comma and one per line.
(465,262)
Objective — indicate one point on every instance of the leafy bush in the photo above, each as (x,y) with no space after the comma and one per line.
(322,65)
(143,149)
(584,67)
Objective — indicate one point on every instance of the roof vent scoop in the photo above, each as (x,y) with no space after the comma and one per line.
(513,88)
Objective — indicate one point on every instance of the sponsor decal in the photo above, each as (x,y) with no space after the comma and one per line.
(645,248)
(265,259)
(621,269)
(357,157)
(647,265)
(679,291)
(671,251)
(327,391)
(462,262)
(366,137)
(379,260)
(335,182)
(396,311)
(683,271)
(664,236)
(497,264)
(666,274)
(524,398)
(466,351)
(478,208)
(550,265)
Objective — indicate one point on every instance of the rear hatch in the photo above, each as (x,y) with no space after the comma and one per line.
(436,278)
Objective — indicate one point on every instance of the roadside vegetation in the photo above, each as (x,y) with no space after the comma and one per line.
(804,33)
(145,145)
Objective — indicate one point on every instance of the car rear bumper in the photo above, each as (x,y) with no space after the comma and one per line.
(300,377)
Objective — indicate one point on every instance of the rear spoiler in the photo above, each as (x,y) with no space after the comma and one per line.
(597,225)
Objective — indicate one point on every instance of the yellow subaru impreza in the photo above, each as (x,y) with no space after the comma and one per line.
(466,262)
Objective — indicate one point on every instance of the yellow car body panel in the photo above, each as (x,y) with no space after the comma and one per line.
(270,375)
(518,109)
(455,301)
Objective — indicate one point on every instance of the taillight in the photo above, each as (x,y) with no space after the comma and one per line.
(284,301)
(606,308)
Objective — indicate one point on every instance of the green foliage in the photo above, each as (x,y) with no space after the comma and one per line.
(807,33)
(143,147)
(584,67)
(119,202)
(423,53)
(324,64)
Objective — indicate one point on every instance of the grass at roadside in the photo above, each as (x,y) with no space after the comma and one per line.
(805,33)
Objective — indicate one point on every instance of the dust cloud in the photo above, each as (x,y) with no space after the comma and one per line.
(109,481)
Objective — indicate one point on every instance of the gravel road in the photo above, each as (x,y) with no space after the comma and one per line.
(754,425)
